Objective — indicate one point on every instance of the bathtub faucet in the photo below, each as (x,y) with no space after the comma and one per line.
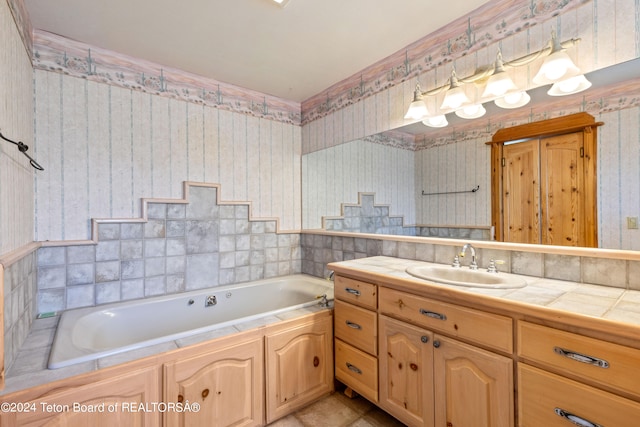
(324,302)
(211,300)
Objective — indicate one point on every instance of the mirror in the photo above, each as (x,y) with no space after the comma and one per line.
(423,181)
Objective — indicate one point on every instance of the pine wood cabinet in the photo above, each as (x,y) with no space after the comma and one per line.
(299,365)
(577,379)
(473,387)
(428,379)
(226,383)
(124,400)
(226,377)
(406,372)
(451,358)
(356,335)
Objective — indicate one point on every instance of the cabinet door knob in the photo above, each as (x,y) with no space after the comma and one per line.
(424,339)
(316,361)
(180,398)
(436,343)
(205,393)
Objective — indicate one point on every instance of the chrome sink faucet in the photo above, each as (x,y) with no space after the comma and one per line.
(473,265)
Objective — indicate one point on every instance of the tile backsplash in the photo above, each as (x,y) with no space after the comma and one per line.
(182,246)
(320,249)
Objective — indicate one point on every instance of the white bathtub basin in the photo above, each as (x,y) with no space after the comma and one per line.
(466,277)
(90,333)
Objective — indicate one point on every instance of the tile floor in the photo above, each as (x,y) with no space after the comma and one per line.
(337,410)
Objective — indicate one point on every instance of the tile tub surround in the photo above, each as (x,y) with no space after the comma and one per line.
(180,245)
(368,217)
(19,304)
(321,248)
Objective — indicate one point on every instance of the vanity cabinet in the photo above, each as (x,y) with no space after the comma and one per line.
(117,401)
(427,378)
(226,382)
(566,377)
(299,366)
(406,372)
(356,335)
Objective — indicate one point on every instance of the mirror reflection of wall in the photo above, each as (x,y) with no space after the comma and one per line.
(398,172)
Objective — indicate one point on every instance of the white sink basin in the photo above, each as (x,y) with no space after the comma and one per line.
(464,277)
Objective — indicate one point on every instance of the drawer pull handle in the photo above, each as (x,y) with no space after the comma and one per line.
(353,368)
(353,291)
(352,325)
(433,314)
(575,419)
(583,358)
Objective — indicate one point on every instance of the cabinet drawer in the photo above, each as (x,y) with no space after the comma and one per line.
(599,362)
(357,369)
(356,292)
(549,400)
(488,329)
(356,326)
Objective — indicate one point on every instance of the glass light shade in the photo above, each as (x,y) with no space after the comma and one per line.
(557,66)
(417,110)
(471,111)
(436,121)
(454,98)
(513,100)
(570,86)
(498,84)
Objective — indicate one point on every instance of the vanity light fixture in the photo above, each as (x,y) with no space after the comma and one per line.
(418,108)
(499,82)
(570,86)
(436,121)
(516,99)
(455,97)
(557,69)
(557,66)
(472,111)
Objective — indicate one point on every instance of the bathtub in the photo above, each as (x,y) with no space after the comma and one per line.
(90,333)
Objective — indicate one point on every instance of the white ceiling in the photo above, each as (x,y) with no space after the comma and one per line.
(293,53)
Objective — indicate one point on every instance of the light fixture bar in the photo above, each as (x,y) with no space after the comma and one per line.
(499,85)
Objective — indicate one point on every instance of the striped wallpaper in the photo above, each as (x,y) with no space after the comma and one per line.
(105,147)
(336,175)
(16,123)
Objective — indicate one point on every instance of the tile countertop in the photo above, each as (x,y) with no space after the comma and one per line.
(603,308)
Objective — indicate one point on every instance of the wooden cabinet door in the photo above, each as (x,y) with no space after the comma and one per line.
(473,387)
(299,366)
(562,190)
(226,383)
(543,182)
(119,401)
(406,372)
(521,192)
